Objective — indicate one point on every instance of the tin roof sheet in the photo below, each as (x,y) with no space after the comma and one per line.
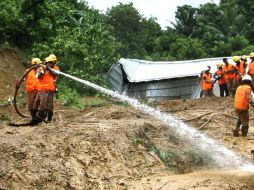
(141,71)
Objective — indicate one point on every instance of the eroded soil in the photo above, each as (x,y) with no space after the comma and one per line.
(113,146)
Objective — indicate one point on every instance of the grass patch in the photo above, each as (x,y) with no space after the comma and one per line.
(178,160)
(165,155)
(4,117)
(69,97)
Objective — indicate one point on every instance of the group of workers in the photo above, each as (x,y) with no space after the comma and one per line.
(41,86)
(232,79)
(236,80)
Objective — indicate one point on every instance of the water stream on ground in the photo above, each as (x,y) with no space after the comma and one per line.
(222,156)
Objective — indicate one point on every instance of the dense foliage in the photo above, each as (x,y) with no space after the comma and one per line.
(87,41)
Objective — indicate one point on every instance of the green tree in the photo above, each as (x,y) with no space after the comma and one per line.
(84,44)
(151,30)
(187,48)
(246,9)
(126,22)
(185,17)
(12,30)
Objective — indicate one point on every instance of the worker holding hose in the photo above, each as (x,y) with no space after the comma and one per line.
(50,104)
(45,76)
(32,87)
(243,97)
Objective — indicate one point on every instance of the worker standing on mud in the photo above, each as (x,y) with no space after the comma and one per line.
(238,70)
(243,65)
(243,97)
(32,87)
(45,77)
(228,70)
(50,105)
(219,75)
(251,67)
(200,80)
(207,84)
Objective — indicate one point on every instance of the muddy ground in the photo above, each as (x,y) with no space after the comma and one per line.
(113,146)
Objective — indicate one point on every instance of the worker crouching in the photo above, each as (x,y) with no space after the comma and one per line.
(243,97)
(45,76)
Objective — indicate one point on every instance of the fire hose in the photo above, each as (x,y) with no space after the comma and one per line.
(18,84)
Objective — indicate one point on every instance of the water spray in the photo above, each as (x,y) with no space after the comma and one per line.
(223,157)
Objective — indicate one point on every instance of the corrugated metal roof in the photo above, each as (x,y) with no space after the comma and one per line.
(141,71)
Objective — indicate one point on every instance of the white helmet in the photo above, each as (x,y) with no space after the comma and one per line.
(246,78)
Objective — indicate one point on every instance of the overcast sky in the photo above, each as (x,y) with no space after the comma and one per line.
(163,10)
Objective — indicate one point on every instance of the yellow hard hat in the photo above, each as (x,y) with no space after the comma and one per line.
(219,65)
(244,57)
(53,56)
(252,54)
(235,58)
(36,61)
(49,59)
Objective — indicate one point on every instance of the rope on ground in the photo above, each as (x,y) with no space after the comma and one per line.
(187,120)
(204,124)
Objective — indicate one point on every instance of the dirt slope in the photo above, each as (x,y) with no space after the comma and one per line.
(114,146)
(11,69)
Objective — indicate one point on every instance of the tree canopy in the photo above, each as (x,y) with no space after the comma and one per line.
(87,41)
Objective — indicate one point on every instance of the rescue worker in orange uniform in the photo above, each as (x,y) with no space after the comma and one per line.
(228,70)
(219,75)
(207,84)
(52,64)
(251,67)
(238,70)
(45,77)
(244,65)
(200,79)
(243,97)
(32,87)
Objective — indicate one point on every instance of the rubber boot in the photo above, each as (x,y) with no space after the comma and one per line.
(41,115)
(50,115)
(35,120)
(236,130)
(245,130)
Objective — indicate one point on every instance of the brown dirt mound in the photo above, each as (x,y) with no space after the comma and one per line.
(114,146)
(11,69)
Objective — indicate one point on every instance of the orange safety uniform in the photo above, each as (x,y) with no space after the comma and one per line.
(229,75)
(222,79)
(57,69)
(205,85)
(55,77)
(242,97)
(243,67)
(236,74)
(46,82)
(31,81)
(251,68)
